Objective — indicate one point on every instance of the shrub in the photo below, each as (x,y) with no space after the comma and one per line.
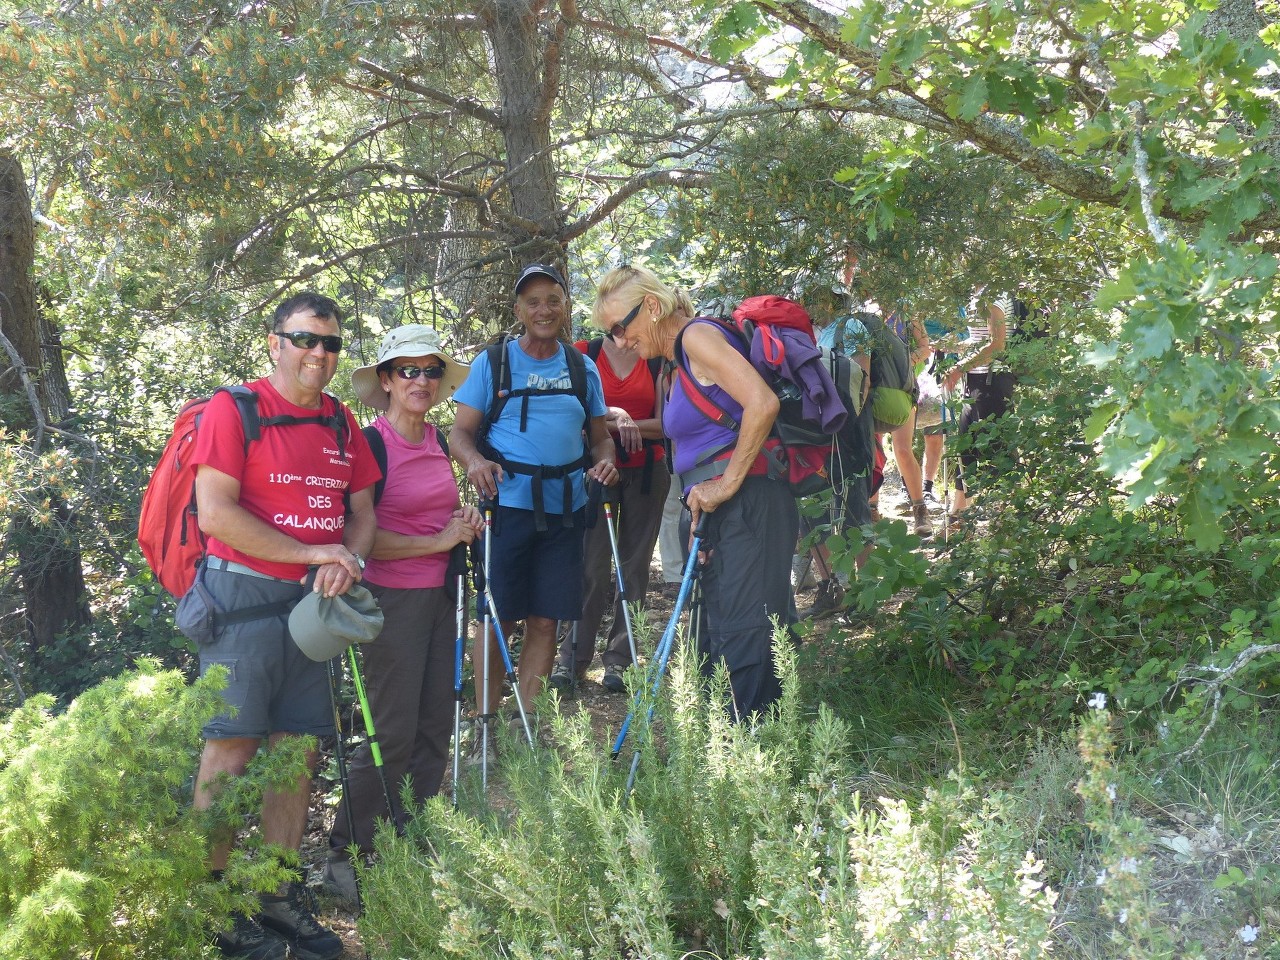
(100,853)
(737,841)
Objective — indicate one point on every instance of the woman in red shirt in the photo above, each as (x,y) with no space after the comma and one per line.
(631,393)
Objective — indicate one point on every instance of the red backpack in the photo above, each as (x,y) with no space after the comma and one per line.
(799,448)
(168,528)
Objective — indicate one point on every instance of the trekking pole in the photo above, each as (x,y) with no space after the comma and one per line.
(664,645)
(458,568)
(610,499)
(344,778)
(375,748)
(505,651)
(486,507)
(947,414)
(664,654)
(594,490)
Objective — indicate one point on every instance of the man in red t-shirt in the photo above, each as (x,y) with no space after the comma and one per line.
(299,496)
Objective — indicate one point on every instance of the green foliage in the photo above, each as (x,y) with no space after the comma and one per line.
(743,841)
(101,855)
(1178,137)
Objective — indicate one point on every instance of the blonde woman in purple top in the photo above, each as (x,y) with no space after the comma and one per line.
(753,520)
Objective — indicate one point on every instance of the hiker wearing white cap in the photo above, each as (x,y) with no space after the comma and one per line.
(408,669)
(298,496)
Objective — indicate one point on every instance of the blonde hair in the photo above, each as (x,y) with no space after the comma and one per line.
(637,282)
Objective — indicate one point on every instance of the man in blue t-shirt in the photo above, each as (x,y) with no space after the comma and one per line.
(536,550)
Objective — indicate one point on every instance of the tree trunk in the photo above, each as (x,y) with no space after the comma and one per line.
(527,69)
(49,569)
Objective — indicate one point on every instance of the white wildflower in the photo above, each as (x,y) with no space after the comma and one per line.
(1128,865)
(1124,917)
(1102,878)
(1098,701)
(1111,792)
(1248,933)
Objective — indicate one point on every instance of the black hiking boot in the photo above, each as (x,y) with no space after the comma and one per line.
(246,940)
(828,599)
(291,916)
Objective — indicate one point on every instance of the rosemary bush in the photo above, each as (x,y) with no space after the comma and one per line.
(737,841)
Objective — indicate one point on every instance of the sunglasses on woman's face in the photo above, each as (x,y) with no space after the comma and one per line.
(619,329)
(433,372)
(306,340)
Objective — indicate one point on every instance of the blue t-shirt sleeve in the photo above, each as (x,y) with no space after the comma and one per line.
(477,390)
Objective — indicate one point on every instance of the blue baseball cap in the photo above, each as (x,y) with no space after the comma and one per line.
(540,270)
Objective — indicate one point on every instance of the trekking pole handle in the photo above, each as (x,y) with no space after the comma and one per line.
(457,560)
(596,492)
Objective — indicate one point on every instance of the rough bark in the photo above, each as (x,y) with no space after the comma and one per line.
(48,572)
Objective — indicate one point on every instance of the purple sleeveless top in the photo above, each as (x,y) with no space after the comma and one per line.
(691,431)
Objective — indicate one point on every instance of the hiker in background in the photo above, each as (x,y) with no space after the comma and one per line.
(988,388)
(669,551)
(632,396)
(530,460)
(265,529)
(408,669)
(855,448)
(935,436)
(911,331)
(753,518)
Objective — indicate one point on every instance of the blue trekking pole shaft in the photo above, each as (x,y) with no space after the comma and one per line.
(458,567)
(506,661)
(665,644)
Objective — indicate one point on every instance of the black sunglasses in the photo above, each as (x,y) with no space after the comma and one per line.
(619,329)
(433,372)
(306,340)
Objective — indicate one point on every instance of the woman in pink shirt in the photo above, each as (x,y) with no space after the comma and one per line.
(408,669)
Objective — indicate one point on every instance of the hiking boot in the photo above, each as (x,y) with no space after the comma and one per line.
(290,915)
(561,679)
(920,519)
(613,678)
(828,599)
(339,881)
(476,755)
(247,940)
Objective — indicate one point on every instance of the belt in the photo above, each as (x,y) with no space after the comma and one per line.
(230,566)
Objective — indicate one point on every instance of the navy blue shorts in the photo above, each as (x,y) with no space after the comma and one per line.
(536,574)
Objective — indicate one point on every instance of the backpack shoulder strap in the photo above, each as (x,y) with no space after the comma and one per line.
(247,404)
(442,438)
(378,447)
(594,346)
(500,375)
(697,395)
(577,365)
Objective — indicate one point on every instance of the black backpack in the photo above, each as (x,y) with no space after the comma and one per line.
(500,366)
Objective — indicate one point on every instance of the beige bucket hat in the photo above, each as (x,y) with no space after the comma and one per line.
(411,340)
(323,627)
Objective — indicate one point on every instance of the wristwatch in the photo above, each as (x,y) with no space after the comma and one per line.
(359,561)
